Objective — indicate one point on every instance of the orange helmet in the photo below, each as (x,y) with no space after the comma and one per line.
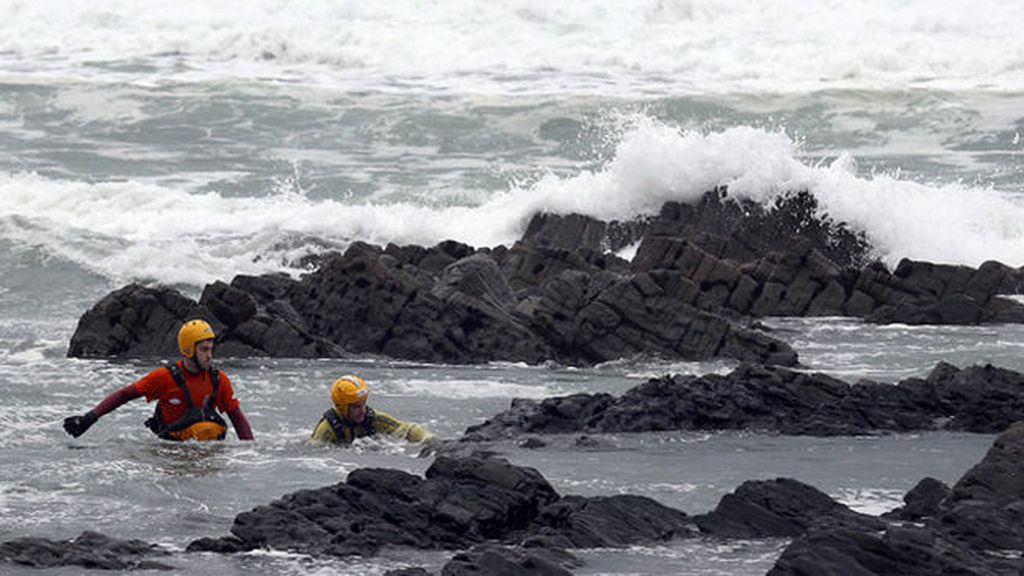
(348,390)
(192,332)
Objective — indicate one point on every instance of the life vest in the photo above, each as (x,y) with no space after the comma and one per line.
(199,422)
(346,430)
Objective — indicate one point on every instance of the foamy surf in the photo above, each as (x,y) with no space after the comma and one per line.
(136,231)
(575,46)
(467,389)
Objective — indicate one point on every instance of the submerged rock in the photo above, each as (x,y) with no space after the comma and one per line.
(507,519)
(779,508)
(459,503)
(561,294)
(976,528)
(922,501)
(446,304)
(494,560)
(982,399)
(902,551)
(90,550)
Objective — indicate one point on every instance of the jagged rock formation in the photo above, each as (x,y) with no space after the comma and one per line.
(983,399)
(496,560)
(483,502)
(779,508)
(459,503)
(977,528)
(507,519)
(560,294)
(90,550)
(787,261)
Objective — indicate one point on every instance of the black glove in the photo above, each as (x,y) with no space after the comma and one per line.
(77,425)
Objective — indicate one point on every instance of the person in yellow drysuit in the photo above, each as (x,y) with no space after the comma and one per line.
(351,418)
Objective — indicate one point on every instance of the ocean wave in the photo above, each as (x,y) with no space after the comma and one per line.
(580,45)
(149,232)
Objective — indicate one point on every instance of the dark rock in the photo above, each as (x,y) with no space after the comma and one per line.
(476,307)
(926,293)
(982,399)
(527,266)
(90,550)
(956,309)
(899,552)
(408,572)
(531,442)
(353,300)
(743,231)
(977,399)
(614,521)
(779,508)
(223,545)
(986,507)
(922,501)
(566,232)
(228,304)
(459,503)
(495,560)
(560,295)
(573,232)
(976,528)
(133,322)
(588,319)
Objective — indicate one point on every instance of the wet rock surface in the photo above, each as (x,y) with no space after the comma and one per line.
(90,550)
(780,507)
(561,293)
(495,560)
(427,305)
(976,528)
(983,399)
(507,519)
(458,503)
(973,528)
(505,516)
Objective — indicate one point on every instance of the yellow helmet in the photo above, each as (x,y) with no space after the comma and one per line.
(192,332)
(348,390)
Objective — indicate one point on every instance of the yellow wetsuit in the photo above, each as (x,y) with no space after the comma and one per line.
(376,422)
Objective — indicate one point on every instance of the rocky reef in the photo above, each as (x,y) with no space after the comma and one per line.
(699,275)
(91,550)
(977,527)
(507,519)
(982,399)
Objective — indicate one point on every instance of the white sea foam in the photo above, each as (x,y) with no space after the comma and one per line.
(874,501)
(149,232)
(467,389)
(582,45)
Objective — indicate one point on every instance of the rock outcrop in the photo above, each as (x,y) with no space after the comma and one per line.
(977,528)
(788,260)
(507,516)
(90,550)
(780,508)
(459,503)
(561,294)
(983,399)
(506,519)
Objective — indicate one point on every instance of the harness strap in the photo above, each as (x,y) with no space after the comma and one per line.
(345,429)
(179,379)
(192,415)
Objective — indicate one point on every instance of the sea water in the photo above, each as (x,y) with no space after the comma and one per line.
(179,144)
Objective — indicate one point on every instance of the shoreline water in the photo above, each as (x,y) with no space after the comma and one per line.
(177,146)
